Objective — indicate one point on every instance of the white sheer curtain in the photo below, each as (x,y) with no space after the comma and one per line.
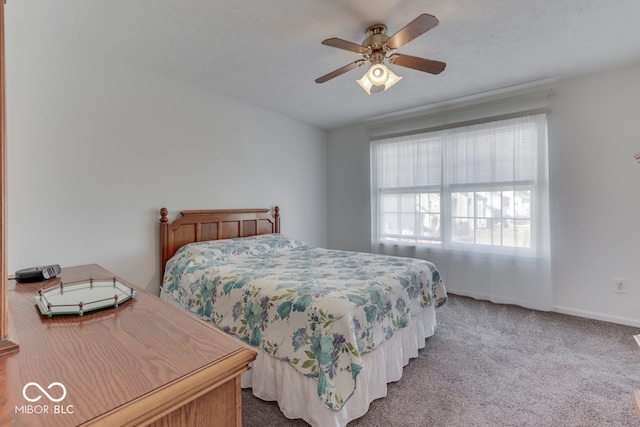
(474,200)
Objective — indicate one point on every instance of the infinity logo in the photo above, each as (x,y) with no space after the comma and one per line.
(39,387)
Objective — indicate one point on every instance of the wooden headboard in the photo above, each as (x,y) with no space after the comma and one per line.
(198,226)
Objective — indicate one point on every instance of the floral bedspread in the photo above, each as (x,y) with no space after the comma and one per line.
(318,309)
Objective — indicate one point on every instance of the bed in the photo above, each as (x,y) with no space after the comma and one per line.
(331,327)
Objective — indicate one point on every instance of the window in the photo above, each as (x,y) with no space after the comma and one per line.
(473,187)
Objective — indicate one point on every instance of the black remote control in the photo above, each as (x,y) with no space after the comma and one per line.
(37,274)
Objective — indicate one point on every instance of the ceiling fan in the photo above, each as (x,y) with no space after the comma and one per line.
(378,47)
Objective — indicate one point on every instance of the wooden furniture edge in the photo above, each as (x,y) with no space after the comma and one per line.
(198,217)
(8,343)
(161,402)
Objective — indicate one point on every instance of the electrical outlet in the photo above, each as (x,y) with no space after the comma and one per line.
(619,285)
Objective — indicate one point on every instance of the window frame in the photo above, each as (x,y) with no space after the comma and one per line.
(417,191)
(445,240)
(479,247)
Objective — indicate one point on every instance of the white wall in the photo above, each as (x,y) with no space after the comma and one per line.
(595,193)
(595,183)
(349,213)
(96,147)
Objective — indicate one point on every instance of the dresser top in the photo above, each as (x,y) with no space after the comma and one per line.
(102,361)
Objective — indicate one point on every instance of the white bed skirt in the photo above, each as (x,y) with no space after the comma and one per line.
(297,395)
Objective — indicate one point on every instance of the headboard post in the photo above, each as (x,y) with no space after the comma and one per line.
(276,216)
(164,240)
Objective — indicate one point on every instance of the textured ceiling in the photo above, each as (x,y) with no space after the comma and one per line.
(268,53)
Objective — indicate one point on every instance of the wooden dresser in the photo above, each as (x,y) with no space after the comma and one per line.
(141,363)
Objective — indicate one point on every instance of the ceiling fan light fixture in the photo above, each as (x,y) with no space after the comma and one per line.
(378,78)
(392,79)
(378,74)
(365,83)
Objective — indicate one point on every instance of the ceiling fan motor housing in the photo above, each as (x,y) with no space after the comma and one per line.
(376,37)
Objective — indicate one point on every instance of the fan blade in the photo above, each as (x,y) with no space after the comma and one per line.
(420,64)
(340,71)
(413,29)
(343,44)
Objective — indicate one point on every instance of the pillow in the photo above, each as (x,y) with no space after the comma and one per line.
(221,250)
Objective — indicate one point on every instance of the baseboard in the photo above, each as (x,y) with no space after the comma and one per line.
(557,309)
(598,316)
(501,300)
